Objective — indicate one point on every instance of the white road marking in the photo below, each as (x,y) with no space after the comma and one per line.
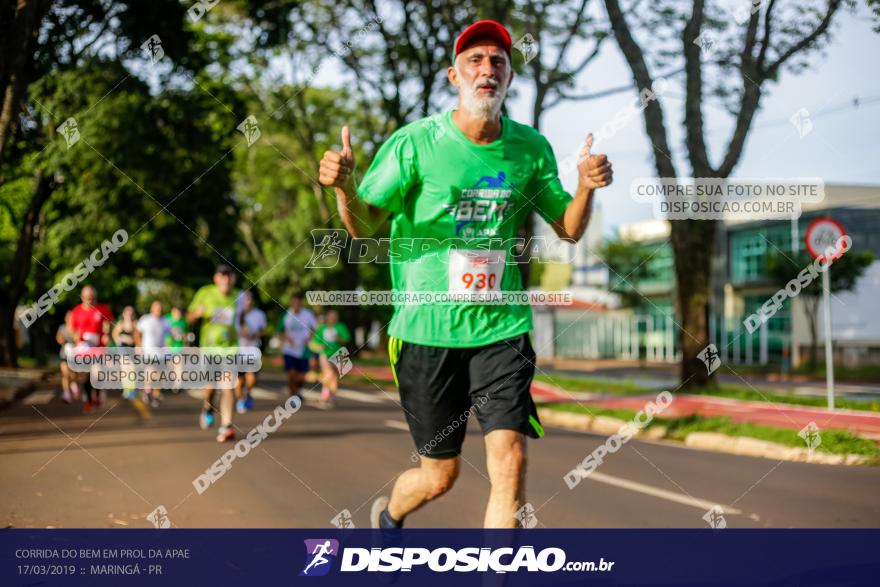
(260,393)
(360,396)
(660,493)
(397,425)
(38,398)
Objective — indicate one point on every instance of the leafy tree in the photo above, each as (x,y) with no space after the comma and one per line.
(843,275)
(280,199)
(394,55)
(627,261)
(156,166)
(42,35)
(730,60)
(39,38)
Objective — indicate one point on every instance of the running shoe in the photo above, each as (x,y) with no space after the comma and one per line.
(328,400)
(225,433)
(129,394)
(154,403)
(206,419)
(386,537)
(88,407)
(65,397)
(240,406)
(379,506)
(249,402)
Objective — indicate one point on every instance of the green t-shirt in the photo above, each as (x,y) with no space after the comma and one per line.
(218,321)
(458,200)
(329,339)
(175,336)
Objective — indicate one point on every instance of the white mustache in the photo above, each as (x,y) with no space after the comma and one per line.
(489,83)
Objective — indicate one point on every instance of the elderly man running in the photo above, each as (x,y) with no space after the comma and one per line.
(468,178)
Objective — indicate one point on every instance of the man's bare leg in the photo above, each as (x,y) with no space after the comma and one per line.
(506,462)
(227,405)
(298,382)
(416,487)
(208,396)
(293,382)
(239,387)
(65,377)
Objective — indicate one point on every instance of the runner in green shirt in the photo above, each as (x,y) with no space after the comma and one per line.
(328,343)
(457,186)
(175,337)
(216,305)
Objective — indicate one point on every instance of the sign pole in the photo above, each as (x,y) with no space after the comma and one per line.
(825,238)
(829,360)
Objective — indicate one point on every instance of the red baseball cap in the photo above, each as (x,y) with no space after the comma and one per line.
(483,29)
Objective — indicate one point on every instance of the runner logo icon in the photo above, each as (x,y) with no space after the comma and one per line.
(320,554)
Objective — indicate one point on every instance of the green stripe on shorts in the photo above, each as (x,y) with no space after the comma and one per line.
(394,346)
(537,426)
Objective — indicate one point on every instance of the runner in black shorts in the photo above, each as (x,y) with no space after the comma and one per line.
(441,387)
(457,187)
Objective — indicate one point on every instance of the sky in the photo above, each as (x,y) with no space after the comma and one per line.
(843,146)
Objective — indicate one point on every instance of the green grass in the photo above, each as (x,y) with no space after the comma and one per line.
(862,374)
(833,441)
(623,387)
(372,361)
(353,378)
(626,387)
(591,410)
(26,362)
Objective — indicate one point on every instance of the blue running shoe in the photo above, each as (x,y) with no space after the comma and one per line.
(240,406)
(206,419)
(249,402)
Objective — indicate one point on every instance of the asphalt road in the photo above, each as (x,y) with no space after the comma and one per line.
(61,468)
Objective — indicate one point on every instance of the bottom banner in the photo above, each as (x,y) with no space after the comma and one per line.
(439,557)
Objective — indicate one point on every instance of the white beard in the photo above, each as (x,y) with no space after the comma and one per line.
(485,108)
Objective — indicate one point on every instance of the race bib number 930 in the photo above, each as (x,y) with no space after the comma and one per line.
(475,271)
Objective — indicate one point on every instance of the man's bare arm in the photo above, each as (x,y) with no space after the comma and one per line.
(336,169)
(594,171)
(573,222)
(360,219)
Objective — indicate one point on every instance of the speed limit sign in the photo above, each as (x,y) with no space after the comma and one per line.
(825,240)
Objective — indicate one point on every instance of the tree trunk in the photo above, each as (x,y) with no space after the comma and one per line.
(693,244)
(811,309)
(8,343)
(20,269)
(16,54)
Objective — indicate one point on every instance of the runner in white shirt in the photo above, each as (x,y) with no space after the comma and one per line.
(296,326)
(250,326)
(150,336)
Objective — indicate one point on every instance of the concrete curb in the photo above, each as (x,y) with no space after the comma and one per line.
(596,424)
(752,447)
(712,441)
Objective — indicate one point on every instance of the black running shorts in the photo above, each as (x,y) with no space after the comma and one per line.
(441,387)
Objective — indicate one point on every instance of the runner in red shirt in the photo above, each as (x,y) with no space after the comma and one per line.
(90,326)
